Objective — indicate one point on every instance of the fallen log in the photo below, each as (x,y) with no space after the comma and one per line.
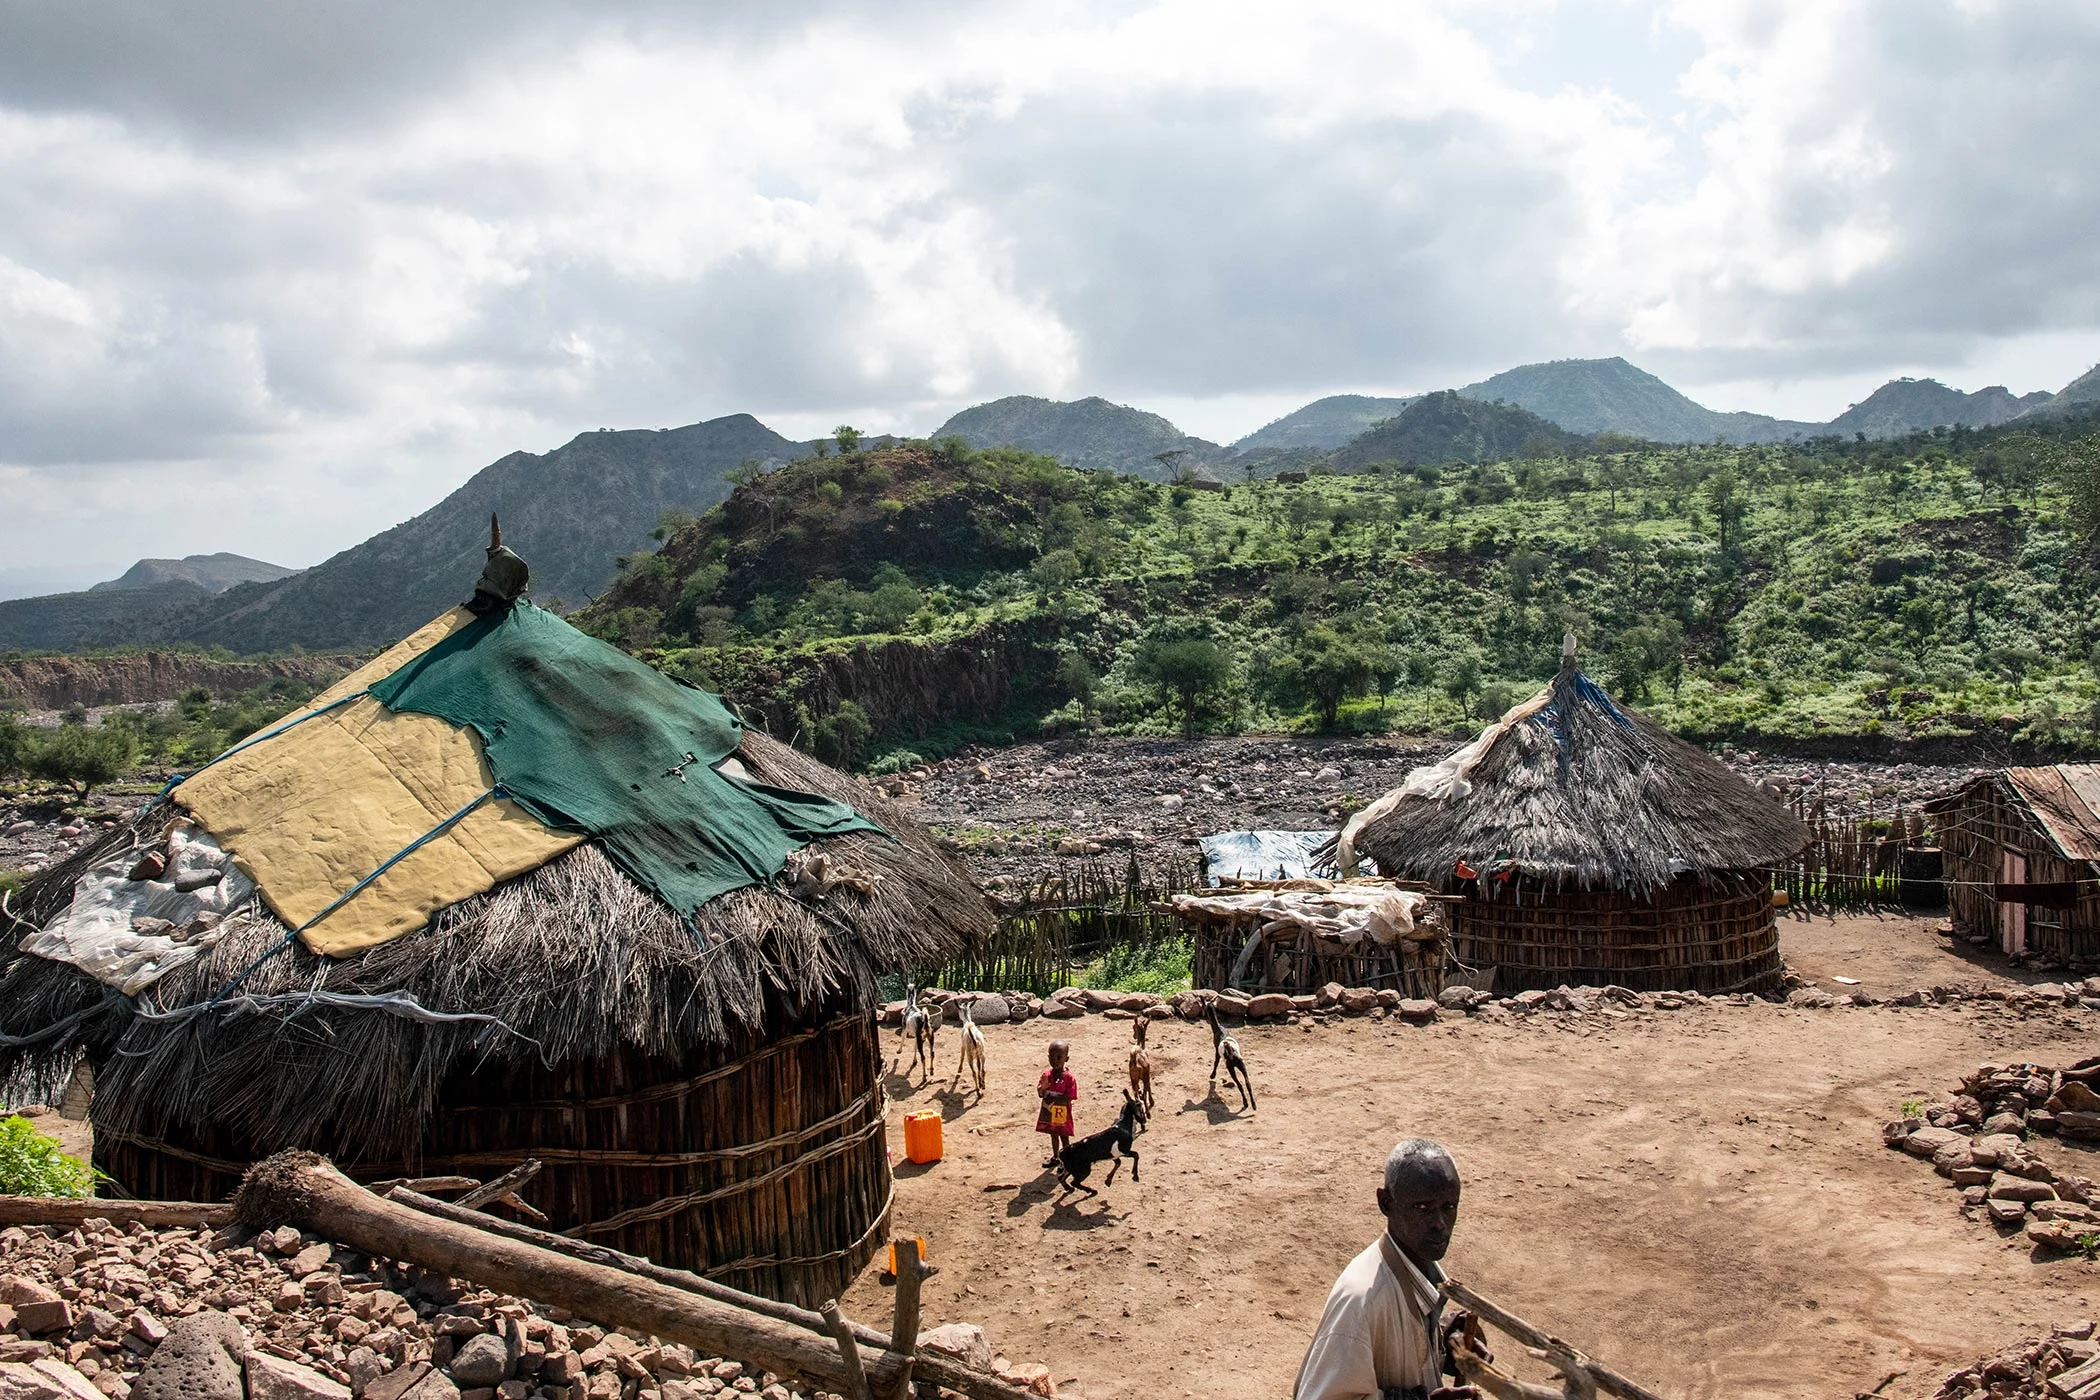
(942,1371)
(59,1210)
(1580,1371)
(305,1190)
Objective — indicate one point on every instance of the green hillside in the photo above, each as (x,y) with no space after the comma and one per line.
(1088,432)
(1932,589)
(1440,428)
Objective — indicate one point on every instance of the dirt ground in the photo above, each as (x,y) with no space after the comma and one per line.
(1700,1198)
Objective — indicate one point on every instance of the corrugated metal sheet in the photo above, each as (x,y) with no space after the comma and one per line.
(2066,799)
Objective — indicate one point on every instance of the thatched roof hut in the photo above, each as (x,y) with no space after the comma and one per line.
(700,1077)
(1591,846)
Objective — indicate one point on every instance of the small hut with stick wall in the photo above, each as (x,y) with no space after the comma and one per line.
(1589,846)
(2020,853)
(505,893)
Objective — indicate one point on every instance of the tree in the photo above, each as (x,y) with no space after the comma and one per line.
(840,736)
(15,740)
(1331,668)
(1462,680)
(2076,466)
(1724,496)
(893,600)
(1188,669)
(82,758)
(848,439)
(1386,667)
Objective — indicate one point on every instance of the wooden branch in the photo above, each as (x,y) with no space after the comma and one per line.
(299,1188)
(856,1386)
(58,1210)
(946,1373)
(904,1324)
(1565,1358)
(1469,1357)
(505,1189)
(425,1184)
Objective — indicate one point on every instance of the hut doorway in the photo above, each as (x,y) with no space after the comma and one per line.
(2012,918)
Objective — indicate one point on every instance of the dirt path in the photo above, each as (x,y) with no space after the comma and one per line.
(1699,1197)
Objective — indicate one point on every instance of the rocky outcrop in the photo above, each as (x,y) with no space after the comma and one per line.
(54,682)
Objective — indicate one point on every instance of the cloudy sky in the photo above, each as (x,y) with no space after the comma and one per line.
(273,276)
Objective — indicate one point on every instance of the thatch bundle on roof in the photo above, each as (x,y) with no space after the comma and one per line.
(702,1088)
(1591,846)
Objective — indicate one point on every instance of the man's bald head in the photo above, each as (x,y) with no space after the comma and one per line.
(1420,1199)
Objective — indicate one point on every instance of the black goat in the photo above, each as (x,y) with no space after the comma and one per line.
(1111,1144)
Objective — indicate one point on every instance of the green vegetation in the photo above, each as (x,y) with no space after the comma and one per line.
(32,1164)
(80,757)
(1160,968)
(1938,587)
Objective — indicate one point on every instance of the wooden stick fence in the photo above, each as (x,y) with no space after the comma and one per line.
(1850,862)
(1076,915)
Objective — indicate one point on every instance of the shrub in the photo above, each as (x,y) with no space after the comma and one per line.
(31,1164)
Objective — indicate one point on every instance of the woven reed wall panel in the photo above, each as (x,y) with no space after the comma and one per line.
(1974,832)
(1709,937)
(801,1236)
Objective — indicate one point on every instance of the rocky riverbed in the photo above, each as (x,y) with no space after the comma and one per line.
(1012,811)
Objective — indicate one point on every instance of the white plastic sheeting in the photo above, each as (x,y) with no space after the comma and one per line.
(129,933)
(1260,855)
(1340,913)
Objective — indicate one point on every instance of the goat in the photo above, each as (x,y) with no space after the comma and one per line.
(1111,1144)
(972,1050)
(1141,1062)
(1223,1048)
(920,1027)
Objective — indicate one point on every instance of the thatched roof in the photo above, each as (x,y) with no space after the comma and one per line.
(573,961)
(1570,788)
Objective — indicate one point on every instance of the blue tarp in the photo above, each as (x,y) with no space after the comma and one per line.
(1261,855)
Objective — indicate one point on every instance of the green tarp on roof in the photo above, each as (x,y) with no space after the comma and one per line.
(588,739)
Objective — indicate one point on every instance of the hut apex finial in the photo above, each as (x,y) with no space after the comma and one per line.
(495,533)
(1567,651)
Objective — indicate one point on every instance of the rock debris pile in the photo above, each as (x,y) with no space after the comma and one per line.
(2065,1365)
(101,1313)
(1982,1140)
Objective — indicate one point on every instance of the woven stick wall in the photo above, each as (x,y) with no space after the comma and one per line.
(1975,829)
(1699,935)
(763,1166)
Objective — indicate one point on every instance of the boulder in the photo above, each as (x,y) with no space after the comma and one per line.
(1528,1000)
(1894,1132)
(1057,1009)
(1972,1176)
(38,1319)
(2056,1234)
(1328,995)
(2014,1123)
(2078,1126)
(1812,998)
(1137,1002)
(1954,1154)
(2019,1188)
(1992,1148)
(1269,1004)
(1454,999)
(1417,1009)
(2061,1210)
(991,1010)
(200,1360)
(483,1360)
(1188,1005)
(1927,1141)
(1097,1000)
(273,1378)
(2004,1212)
(1304,1002)
(45,1379)
(1388,998)
(397,1383)
(436,1385)
(962,1340)
(1357,1000)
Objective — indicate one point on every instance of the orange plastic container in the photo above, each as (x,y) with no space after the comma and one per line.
(921,1240)
(922,1135)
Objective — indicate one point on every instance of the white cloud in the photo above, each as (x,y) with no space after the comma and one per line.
(270,284)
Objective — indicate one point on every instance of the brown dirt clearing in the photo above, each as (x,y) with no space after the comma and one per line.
(1699,1198)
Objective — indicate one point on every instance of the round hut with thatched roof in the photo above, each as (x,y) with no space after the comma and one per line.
(1591,847)
(503,893)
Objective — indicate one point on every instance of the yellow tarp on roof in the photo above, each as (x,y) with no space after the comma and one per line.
(310,812)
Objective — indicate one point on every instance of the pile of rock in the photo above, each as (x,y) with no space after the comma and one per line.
(2065,1365)
(1980,1139)
(101,1313)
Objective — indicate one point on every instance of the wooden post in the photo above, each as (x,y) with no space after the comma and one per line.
(904,1324)
(1584,1377)
(57,1210)
(299,1188)
(856,1387)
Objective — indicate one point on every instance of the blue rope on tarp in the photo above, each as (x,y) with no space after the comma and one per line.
(347,895)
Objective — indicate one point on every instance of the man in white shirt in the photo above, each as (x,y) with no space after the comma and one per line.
(1380,1336)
